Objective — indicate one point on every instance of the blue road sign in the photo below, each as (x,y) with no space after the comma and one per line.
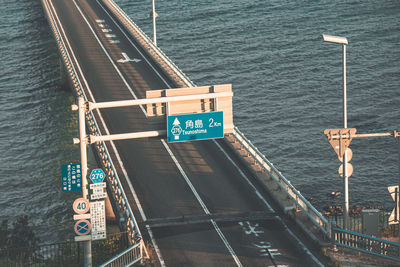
(71,177)
(197,126)
(97,176)
(82,227)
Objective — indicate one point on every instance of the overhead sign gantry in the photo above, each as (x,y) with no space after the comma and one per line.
(209,106)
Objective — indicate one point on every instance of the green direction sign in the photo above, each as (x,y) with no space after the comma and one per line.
(197,126)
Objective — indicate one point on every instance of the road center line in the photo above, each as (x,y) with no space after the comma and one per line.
(221,235)
(179,166)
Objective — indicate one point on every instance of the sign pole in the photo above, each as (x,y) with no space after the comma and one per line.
(87,245)
(398,196)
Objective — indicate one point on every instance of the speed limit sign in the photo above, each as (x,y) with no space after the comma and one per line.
(81,205)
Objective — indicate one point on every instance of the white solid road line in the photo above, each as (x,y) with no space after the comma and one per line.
(245,177)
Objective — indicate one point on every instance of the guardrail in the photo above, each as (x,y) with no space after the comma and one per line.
(126,258)
(299,201)
(313,214)
(125,212)
(366,244)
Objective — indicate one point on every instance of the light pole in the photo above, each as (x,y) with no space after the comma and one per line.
(154,15)
(344,42)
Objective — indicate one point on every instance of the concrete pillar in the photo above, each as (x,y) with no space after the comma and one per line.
(110,215)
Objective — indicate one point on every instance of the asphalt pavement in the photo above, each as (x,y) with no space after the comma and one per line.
(198,203)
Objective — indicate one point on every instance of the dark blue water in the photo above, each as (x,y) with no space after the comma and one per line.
(36,123)
(286,80)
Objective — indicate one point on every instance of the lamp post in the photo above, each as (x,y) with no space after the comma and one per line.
(154,15)
(344,42)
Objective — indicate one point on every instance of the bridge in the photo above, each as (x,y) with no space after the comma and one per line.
(216,202)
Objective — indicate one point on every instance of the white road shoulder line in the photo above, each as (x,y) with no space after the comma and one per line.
(113,145)
(300,243)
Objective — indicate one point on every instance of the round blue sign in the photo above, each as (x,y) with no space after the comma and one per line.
(97,176)
(82,227)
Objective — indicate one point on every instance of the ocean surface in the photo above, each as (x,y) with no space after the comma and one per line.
(287,84)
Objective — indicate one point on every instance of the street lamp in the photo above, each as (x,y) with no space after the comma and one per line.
(154,15)
(344,42)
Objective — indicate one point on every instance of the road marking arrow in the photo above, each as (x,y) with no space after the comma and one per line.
(127,59)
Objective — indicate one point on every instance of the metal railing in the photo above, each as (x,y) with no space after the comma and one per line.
(119,196)
(366,244)
(128,257)
(355,224)
(67,253)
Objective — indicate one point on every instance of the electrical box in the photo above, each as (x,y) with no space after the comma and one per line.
(370,222)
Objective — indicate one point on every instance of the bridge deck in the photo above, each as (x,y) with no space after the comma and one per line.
(192,180)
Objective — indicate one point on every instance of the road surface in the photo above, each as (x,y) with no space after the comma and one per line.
(196,202)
